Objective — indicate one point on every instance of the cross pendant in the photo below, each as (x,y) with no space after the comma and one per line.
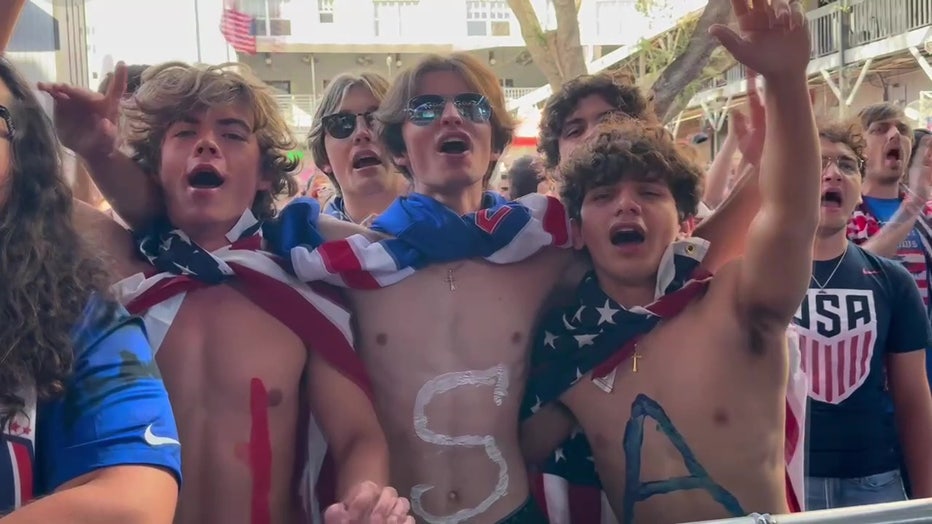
(450,280)
(634,361)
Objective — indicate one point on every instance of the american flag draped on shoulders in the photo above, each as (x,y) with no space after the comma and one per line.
(596,334)
(423,231)
(315,313)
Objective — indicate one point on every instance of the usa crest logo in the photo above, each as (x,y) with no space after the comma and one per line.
(837,331)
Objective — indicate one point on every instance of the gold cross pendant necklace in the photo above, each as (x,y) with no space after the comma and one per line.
(634,359)
(450,279)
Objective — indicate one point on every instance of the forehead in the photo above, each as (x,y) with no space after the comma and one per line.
(589,107)
(836,148)
(358,99)
(444,83)
(896,121)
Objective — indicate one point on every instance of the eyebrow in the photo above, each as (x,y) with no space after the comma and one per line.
(238,122)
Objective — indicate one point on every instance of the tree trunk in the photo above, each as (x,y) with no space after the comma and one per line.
(557,54)
(666,90)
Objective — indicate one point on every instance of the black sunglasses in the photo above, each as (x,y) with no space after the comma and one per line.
(5,115)
(424,109)
(341,125)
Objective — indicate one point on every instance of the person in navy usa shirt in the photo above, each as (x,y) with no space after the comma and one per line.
(862,333)
(86,429)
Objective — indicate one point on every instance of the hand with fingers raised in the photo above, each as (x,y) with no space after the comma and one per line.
(87,121)
(772,38)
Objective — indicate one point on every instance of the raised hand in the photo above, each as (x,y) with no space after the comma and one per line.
(920,175)
(749,132)
(366,503)
(87,121)
(773,39)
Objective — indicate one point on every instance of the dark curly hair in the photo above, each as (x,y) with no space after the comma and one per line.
(618,90)
(848,133)
(172,90)
(47,274)
(622,148)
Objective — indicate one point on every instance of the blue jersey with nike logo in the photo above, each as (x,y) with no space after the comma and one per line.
(114,410)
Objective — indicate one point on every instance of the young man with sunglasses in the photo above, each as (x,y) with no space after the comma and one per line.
(342,144)
(862,331)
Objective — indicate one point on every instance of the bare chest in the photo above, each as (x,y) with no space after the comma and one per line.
(221,347)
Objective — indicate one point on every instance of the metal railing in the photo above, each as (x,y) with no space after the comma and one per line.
(847,24)
(909,512)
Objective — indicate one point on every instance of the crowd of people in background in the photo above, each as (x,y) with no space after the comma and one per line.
(606,332)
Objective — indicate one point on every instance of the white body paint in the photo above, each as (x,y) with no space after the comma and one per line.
(496,377)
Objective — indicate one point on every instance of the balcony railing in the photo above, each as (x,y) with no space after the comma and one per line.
(836,27)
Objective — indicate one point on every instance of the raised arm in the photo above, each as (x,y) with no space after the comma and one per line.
(86,123)
(895,231)
(726,229)
(774,273)
(716,179)
(9,13)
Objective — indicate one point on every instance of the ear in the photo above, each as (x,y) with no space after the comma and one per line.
(401,160)
(327,169)
(576,232)
(495,156)
(686,228)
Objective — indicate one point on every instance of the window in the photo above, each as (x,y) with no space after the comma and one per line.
(325,11)
(392,15)
(283,86)
(488,18)
(275,25)
(506,82)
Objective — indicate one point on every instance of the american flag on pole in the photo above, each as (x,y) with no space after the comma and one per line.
(236,28)
(314,313)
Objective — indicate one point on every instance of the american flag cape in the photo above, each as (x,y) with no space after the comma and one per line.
(313,312)
(596,334)
(424,232)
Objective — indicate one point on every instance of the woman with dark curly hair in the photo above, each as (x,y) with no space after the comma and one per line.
(85,421)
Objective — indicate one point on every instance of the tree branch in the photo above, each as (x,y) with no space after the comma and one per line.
(536,41)
(666,91)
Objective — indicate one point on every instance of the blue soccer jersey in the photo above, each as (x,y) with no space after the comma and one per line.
(114,412)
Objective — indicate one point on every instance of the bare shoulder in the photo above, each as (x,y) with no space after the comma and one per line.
(107,238)
(333,229)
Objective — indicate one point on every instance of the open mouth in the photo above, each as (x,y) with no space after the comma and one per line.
(831,198)
(627,236)
(367,159)
(894,154)
(454,146)
(205,178)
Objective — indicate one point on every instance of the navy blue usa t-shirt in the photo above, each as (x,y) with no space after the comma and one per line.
(869,309)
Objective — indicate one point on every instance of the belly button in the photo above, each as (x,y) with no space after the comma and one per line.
(453,496)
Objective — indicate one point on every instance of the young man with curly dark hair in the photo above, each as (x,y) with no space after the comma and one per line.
(678,378)
(86,428)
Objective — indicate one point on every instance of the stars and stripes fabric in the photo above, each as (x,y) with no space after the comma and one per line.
(236,28)
(315,312)
(17,457)
(423,231)
(596,334)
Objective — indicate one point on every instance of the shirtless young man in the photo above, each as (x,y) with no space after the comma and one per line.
(719,453)
(449,389)
(242,347)
(342,144)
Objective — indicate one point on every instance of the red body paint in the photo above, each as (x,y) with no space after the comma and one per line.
(260,453)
